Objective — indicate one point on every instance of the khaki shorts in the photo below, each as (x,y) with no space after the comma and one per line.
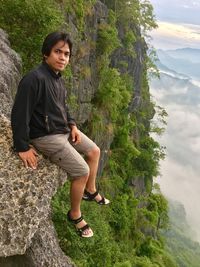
(61,151)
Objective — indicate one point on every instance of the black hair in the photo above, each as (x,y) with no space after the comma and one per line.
(52,39)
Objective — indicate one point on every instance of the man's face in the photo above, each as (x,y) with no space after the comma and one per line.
(59,56)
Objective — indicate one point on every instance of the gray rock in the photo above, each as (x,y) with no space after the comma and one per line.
(85,80)
(10,73)
(25,196)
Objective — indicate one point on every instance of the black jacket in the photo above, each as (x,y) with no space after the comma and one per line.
(39,108)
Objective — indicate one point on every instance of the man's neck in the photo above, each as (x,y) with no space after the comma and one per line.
(57,73)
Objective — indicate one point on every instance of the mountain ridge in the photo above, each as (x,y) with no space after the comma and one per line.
(180,61)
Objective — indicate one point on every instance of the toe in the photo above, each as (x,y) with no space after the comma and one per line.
(107,201)
(87,233)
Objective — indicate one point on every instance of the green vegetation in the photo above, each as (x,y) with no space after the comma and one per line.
(179,238)
(27,22)
(128,232)
(123,232)
(78,9)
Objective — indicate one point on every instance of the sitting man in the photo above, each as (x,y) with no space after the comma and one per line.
(41,117)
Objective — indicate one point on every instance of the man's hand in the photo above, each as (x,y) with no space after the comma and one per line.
(75,134)
(29,158)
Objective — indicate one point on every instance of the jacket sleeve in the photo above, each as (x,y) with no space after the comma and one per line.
(25,101)
(70,120)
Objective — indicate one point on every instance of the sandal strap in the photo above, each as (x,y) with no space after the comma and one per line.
(74,221)
(102,201)
(91,196)
(82,229)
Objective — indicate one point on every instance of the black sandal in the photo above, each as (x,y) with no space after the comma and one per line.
(90,197)
(81,230)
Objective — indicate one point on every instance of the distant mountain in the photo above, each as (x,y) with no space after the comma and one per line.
(177,92)
(179,241)
(163,69)
(186,53)
(176,87)
(180,61)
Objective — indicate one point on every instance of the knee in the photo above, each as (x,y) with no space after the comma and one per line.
(94,153)
(84,179)
(85,172)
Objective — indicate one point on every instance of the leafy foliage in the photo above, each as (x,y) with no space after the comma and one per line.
(107,38)
(112,95)
(180,245)
(78,9)
(27,22)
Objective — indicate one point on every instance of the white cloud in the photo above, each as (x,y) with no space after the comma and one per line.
(196,3)
(190,5)
(172,36)
(182,184)
(177,3)
(180,170)
(179,27)
(186,6)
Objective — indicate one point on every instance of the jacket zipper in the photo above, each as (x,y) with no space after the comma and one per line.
(47,123)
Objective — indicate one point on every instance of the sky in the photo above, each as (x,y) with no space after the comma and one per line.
(179,27)
(179,24)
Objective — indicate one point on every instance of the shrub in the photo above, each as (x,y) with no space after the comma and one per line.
(27,23)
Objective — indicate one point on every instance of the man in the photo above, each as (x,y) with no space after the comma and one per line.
(40,117)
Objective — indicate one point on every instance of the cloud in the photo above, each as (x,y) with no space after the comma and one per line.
(190,5)
(180,170)
(196,3)
(173,5)
(186,6)
(179,27)
(182,184)
(173,36)
(179,24)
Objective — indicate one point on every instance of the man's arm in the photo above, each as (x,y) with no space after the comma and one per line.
(75,133)
(24,104)
(70,120)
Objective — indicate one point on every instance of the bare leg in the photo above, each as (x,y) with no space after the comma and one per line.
(93,162)
(76,193)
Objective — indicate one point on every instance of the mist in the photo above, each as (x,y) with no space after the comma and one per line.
(178,27)
(180,179)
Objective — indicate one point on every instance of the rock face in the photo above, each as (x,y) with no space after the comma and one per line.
(85,80)
(25,223)
(9,69)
